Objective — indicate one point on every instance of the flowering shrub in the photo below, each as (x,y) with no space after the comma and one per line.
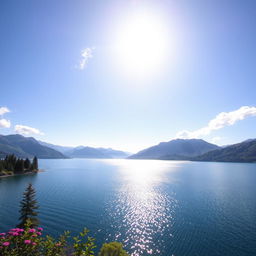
(29,242)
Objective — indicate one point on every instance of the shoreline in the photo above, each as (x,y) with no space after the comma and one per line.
(19,174)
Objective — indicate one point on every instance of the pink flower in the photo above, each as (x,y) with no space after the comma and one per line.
(32,230)
(27,241)
(39,233)
(6,243)
(15,234)
(40,229)
(33,243)
(2,234)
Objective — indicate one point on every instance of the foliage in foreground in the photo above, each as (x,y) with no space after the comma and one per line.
(30,242)
(112,249)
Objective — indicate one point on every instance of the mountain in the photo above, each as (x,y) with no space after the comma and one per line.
(90,152)
(87,152)
(178,149)
(113,153)
(248,140)
(61,149)
(241,152)
(26,147)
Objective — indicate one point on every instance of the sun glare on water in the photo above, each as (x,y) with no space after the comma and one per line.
(142,45)
(146,210)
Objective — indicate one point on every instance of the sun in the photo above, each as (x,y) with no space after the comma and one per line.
(142,44)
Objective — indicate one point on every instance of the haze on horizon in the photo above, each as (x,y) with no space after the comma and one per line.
(128,74)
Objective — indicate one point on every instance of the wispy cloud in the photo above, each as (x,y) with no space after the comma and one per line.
(4,110)
(220,121)
(26,130)
(3,122)
(86,54)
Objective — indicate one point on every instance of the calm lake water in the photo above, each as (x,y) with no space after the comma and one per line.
(159,208)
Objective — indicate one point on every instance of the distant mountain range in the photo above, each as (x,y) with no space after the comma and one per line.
(26,147)
(200,150)
(88,152)
(61,149)
(240,152)
(178,149)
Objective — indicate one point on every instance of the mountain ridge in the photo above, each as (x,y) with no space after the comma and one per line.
(88,152)
(177,149)
(26,147)
(240,152)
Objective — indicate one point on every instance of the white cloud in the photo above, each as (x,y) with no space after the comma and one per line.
(86,54)
(26,130)
(4,110)
(5,123)
(221,120)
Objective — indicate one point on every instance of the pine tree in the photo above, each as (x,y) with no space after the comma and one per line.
(35,163)
(27,164)
(28,207)
(19,166)
(1,166)
(10,162)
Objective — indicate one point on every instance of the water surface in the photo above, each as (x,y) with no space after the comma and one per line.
(160,208)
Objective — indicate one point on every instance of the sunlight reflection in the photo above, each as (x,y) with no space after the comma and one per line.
(145,172)
(147,211)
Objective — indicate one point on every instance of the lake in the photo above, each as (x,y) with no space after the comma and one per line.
(153,207)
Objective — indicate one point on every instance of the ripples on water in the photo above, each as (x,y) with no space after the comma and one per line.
(141,210)
(161,208)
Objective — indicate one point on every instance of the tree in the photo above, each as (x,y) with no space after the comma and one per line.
(35,163)
(10,162)
(28,207)
(1,165)
(27,164)
(19,166)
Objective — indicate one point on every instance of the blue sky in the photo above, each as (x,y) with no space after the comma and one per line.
(61,72)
